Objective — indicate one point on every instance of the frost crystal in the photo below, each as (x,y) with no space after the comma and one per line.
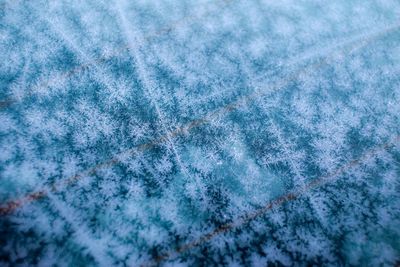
(199,133)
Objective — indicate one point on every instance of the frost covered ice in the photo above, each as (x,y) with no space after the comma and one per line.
(199,133)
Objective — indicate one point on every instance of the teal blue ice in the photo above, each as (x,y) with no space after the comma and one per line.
(199,133)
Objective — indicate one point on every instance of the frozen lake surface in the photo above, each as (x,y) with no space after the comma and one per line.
(199,133)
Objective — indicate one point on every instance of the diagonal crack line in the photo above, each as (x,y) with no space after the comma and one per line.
(144,75)
(247,218)
(7,102)
(12,205)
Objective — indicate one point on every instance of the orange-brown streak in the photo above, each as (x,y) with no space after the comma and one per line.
(12,205)
(82,67)
(244,219)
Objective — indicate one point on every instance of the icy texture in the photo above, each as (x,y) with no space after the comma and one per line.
(199,133)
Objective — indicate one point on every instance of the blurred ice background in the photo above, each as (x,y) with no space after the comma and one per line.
(149,124)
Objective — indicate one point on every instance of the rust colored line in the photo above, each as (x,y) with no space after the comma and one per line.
(12,205)
(84,66)
(244,219)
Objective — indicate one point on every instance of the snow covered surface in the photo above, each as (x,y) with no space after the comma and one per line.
(199,133)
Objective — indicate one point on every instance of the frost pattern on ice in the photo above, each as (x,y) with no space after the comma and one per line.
(267,96)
